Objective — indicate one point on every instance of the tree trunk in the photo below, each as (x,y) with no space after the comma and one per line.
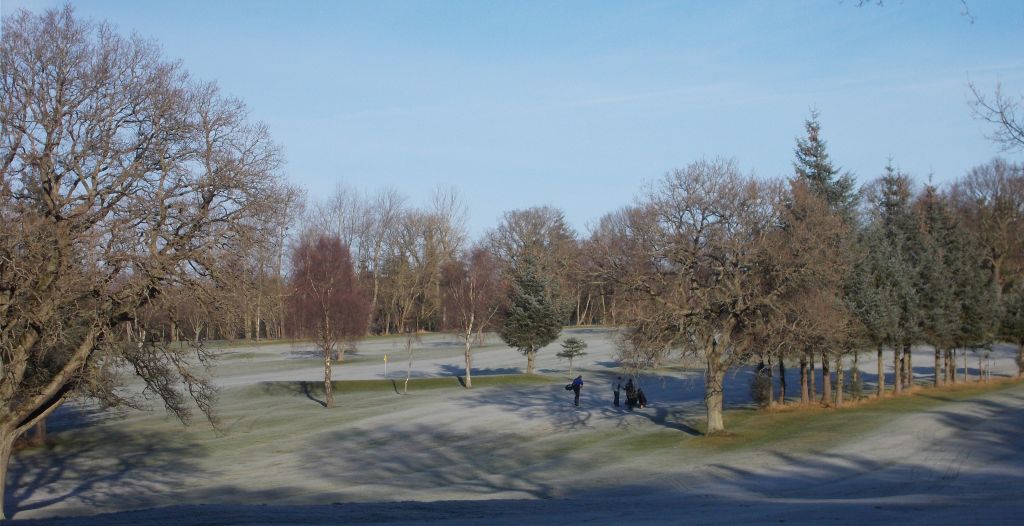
(856,372)
(530,356)
(469,359)
(881,373)
(810,376)
(981,369)
(840,381)
(805,396)
(328,386)
(258,320)
(374,299)
(965,366)
(408,368)
(908,380)
(771,393)
(174,330)
(758,374)
(938,366)
(7,439)
(1020,357)
(713,394)
(782,380)
(826,381)
(897,383)
(951,366)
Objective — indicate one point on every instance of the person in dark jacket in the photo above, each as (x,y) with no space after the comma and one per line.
(577,384)
(641,398)
(616,387)
(630,394)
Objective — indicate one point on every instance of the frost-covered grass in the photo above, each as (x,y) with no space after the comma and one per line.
(512,436)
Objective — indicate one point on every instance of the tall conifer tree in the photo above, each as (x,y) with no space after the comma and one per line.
(900,273)
(814,166)
(936,273)
(532,321)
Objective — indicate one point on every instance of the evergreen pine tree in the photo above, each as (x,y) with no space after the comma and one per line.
(979,314)
(813,165)
(572,348)
(898,272)
(936,280)
(871,294)
(532,320)
(1012,328)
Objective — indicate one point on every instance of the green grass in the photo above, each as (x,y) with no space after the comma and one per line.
(812,429)
(659,439)
(415,384)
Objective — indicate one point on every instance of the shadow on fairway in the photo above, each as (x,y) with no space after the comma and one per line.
(671,405)
(425,457)
(971,475)
(457,370)
(98,467)
(307,389)
(981,458)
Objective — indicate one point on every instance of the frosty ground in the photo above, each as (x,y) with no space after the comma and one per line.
(514,450)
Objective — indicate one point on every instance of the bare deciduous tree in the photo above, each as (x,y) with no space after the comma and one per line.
(120,178)
(1001,111)
(693,261)
(541,236)
(366,225)
(990,199)
(473,294)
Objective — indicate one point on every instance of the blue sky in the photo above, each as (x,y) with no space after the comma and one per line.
(577,104)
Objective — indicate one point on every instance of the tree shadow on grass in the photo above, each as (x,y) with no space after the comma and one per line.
(669,406)
(970,474)
(972,449)
(424,458)
(457,370)
(307,389)
(311,390)
(93,468)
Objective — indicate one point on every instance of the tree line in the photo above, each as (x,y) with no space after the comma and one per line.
(709,262)
(739,271)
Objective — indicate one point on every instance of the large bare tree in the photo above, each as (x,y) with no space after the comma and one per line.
(693,257)
(120,178)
